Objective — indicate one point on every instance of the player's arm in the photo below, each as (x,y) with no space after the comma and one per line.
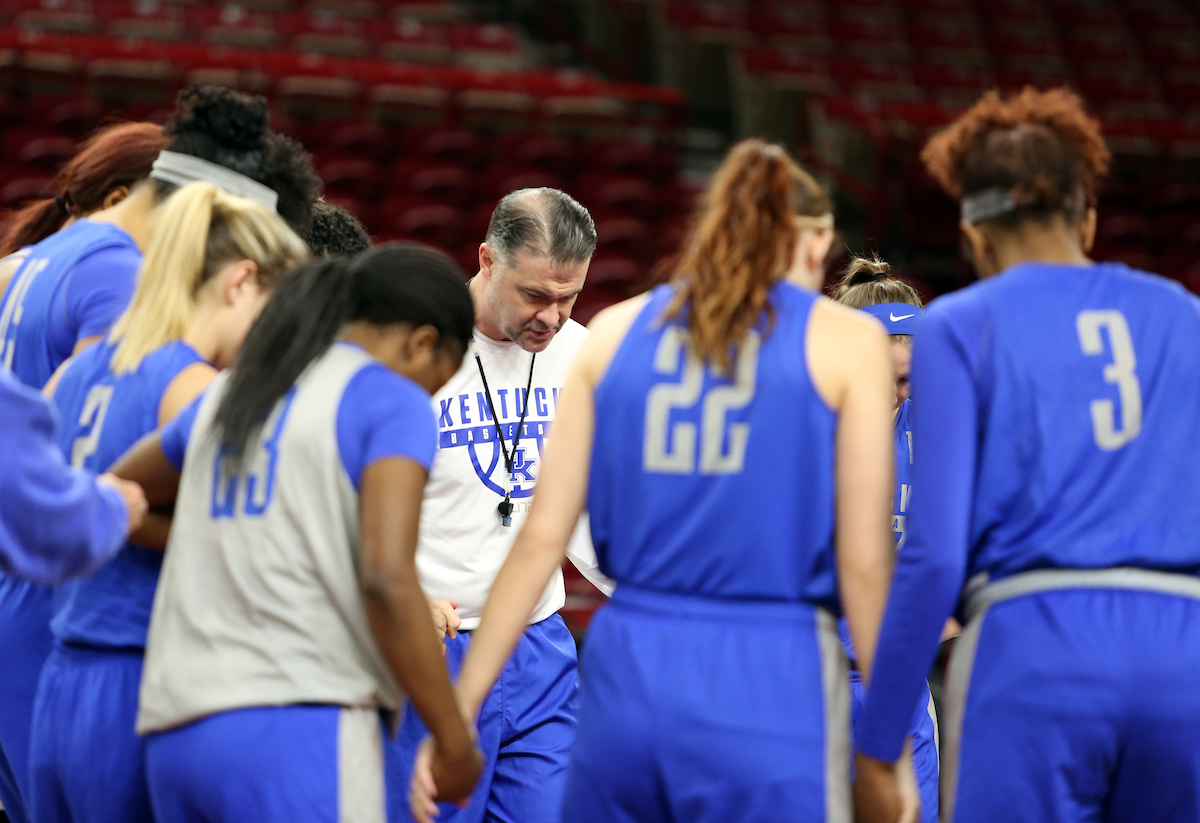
(155,463)
(930,570)
(852,371)
(55,522)
(399,614)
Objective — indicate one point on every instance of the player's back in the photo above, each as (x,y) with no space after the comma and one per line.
(101,416)
(52,302)
(1090,389)
(709,485)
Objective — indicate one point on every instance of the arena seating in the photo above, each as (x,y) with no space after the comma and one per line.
(418,118)
(858,85)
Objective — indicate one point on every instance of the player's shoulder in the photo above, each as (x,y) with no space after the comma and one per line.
(830,317)
(374,384)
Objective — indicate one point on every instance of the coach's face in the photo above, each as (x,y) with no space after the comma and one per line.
(528,299)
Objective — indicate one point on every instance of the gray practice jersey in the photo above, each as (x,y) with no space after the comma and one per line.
(259,601)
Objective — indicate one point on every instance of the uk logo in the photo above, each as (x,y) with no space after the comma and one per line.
(466,422)
(487,458)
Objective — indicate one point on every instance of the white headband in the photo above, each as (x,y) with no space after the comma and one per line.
(987,204)
(181,169)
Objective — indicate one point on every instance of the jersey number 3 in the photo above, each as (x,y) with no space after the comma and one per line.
(1120,372)
(671,449)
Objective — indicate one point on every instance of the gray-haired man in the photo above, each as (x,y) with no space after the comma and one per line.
(493,419)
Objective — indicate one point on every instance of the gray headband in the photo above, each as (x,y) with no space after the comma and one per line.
(181,169)
(996,202)
(987,204)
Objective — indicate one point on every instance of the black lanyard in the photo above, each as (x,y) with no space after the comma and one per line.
(506,507)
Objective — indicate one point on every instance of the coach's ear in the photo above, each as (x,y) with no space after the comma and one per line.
(487,260)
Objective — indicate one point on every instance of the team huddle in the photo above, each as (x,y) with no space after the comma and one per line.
(271,548)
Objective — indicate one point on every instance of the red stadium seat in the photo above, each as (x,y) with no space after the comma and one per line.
(77,116)
(619,192)
(503,178)
(437,226)
(435,179)
(496,109)
(449,143)
(365,139)
(625,237)
(17,192)
(548,152)
(349,176)
(405,104)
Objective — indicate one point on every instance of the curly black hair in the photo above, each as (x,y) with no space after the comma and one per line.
(336,231)
(231,128)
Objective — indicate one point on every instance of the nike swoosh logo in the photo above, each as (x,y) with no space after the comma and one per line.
(894,318)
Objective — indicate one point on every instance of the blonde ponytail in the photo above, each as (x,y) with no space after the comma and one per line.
(200,229)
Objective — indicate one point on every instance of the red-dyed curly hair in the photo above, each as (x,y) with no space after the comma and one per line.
(1039,145)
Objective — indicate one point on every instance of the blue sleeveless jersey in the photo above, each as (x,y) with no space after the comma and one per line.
(1088,385)
(716,486)
(102,416)
(72,285)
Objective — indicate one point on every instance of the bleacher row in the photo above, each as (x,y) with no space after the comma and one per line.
(416,151)
(1129,58)
(892,71)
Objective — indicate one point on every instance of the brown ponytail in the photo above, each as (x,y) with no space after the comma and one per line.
(868,281)
(117,155)
(742,243)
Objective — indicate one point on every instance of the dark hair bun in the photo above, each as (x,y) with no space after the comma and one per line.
(231,118)
(866,275)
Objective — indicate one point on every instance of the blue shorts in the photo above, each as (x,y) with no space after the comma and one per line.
(710,711)
(924,745)
(25,643)
(526,729)
(1076,705)
(86,762)
(278,764)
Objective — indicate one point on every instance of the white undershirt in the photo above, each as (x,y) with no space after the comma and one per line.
(462,543)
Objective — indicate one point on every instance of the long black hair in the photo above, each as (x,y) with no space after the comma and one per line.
(394,283)
(231,128)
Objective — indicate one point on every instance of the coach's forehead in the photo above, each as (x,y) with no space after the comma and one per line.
(533,268)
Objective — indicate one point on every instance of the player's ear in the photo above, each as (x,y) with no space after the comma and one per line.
(115,196)
(422,344)
(980,247)
(1087,230)
(240,273)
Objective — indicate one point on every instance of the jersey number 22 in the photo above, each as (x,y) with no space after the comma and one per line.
(671,449)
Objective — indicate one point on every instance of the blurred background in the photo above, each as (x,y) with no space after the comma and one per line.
(420,114)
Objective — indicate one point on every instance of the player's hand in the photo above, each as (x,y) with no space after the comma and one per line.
(885,792)
(135,499)
(441,775)
(445,618)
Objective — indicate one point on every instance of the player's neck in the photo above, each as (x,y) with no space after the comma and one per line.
(133,215)
(1035,244)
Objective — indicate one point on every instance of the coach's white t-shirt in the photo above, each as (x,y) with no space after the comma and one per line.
(463,543)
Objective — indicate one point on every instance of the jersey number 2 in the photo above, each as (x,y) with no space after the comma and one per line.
(671,449)
(95,407)
(1120,372)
